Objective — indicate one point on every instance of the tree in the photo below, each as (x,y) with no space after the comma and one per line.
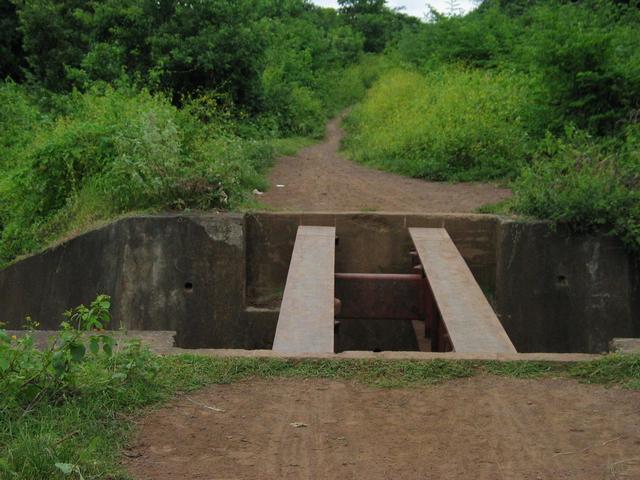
(11,55)
(360,7)
(54,39)
(453,8)
(377,23)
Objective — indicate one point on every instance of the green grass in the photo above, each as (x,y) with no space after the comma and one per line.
(522,369)
(188,372)
(88,431)
(614,369)
(291,146)
(501,207)
(623,370)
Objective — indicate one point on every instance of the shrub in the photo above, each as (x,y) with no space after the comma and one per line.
(581,183)
(342,88)
(304,61)
(117,151)
(19,117)
(30,377)
(588,54)
(58,404)
(481,39)
(452,124)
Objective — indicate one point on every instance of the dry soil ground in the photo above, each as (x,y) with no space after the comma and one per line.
(320,179)
(481,428)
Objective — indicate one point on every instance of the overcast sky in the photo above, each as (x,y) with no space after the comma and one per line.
(417,8)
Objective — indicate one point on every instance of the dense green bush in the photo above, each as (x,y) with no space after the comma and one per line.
(31,376)
(478,39)
(19,118)
(588,54)
(115,151)
(289,76)
(452,124)
(378,24)
(172,45)
(267,57)
(11,54)
(345,87)
(585,56)
(578,182)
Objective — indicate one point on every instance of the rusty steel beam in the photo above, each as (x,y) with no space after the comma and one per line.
(391,277)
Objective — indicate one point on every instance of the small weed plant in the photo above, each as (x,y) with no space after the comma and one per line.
(30,376)
(80,363)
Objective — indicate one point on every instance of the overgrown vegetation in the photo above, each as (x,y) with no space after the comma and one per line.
(60,404)
(588,185)
(544,92)
(67,410)
(451,124)
(128,105)
(134,105)
(114,151)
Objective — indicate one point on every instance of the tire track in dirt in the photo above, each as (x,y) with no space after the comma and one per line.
(485,428)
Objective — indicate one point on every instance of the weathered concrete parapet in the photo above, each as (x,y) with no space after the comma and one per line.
(161,270)
(558,291)
(216,300)
(217,278)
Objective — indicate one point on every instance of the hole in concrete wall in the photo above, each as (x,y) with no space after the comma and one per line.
(188,286)
(562,281)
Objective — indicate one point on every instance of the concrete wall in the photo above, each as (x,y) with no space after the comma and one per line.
(160,270)
(553,291)
(562,292)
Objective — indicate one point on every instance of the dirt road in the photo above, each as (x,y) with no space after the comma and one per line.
(481,428)
(320,179)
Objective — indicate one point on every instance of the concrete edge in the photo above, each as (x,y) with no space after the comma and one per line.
(625,345)
(470,215)
(161,342)
(365,355)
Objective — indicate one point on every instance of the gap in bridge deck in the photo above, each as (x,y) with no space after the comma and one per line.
(326,312)
(380,335)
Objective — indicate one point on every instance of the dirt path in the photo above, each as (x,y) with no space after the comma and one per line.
(319,179)
(482,428)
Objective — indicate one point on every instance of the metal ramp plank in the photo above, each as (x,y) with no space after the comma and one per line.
(306,321)
(471,323)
